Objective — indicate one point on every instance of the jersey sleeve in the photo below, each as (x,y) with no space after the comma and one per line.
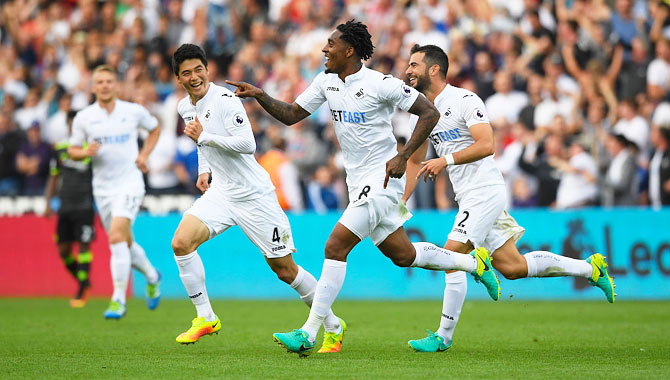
(145,119)
(78,136)
(395,92)
(314,96)
(474,111)
(234,117)
(203,165)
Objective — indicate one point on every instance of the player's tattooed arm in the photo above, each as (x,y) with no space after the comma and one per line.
(428,117)
(286,113)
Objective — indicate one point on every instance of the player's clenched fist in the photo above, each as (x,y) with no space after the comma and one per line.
(203,182)
(193,129)
(246,90)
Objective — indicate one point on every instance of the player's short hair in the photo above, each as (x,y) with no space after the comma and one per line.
(356,34)
(433,55)
(105,68)
(187,51)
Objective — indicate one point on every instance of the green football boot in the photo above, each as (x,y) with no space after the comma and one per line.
(484,272)
(295,341)
(431,343)
(600,277)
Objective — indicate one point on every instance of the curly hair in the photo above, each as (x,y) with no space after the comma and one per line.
(356,34)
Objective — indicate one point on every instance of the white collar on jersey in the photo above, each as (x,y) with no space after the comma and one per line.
(209,91)
(352,77)
(442,93)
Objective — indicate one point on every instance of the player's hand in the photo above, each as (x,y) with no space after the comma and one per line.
(246,90)
(193,129)
(203,182)
(432,168)
(92,149)
(395,168)
(141,163)
(48,211)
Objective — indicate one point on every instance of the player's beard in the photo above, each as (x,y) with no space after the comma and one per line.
(422,82)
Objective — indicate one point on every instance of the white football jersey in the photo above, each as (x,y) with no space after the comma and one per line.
(236,176)
(361,108)
(114,168)
(459,110)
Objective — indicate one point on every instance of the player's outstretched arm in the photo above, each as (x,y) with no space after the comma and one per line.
(286,113)
(428,117)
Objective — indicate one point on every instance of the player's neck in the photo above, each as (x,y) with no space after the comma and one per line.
(108,105)
(434,90)
(195,98)
(351,68)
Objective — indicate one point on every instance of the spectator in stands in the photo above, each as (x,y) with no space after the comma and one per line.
(32,162)
(33,111)
(56,129)
(538,166)
(633,126)
(10,141)
(659,167)
(632,78)
(504,106)
(283,173)
(577,187)
(321,196)
(522,196)
(619,185)
(658,73)
(484,75)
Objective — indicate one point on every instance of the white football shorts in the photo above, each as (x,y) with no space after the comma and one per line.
(261,219)
(118,205)
(376,213)
(483,220)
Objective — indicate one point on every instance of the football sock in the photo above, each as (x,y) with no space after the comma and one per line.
(305,284)
(120,266)
(70,264)
(430,256)
(547,264)
(456,286)
(330,283)
(192,274)
(142,263)
(83,268)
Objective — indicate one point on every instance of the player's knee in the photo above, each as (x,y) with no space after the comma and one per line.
(116,237)
(402,261)
(284,274)
(334,251)
(512,272)
(181,246)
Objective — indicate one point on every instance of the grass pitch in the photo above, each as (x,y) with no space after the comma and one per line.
(44,338)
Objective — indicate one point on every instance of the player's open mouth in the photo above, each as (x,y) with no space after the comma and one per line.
(412,80)
(196,86)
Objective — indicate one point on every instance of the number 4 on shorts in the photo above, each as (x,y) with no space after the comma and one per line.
(275,235)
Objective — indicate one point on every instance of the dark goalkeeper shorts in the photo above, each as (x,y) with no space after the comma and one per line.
(75,226)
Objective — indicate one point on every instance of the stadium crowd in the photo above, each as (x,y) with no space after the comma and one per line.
(577,90)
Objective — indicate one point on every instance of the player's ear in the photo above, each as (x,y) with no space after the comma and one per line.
(350,51)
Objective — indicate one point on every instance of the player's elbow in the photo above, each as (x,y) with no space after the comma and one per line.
(489,148)
(249,147)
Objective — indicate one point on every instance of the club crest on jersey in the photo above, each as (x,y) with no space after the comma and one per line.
(208,114)
(479,114)
(359,94)
(406,91)
(238,119)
